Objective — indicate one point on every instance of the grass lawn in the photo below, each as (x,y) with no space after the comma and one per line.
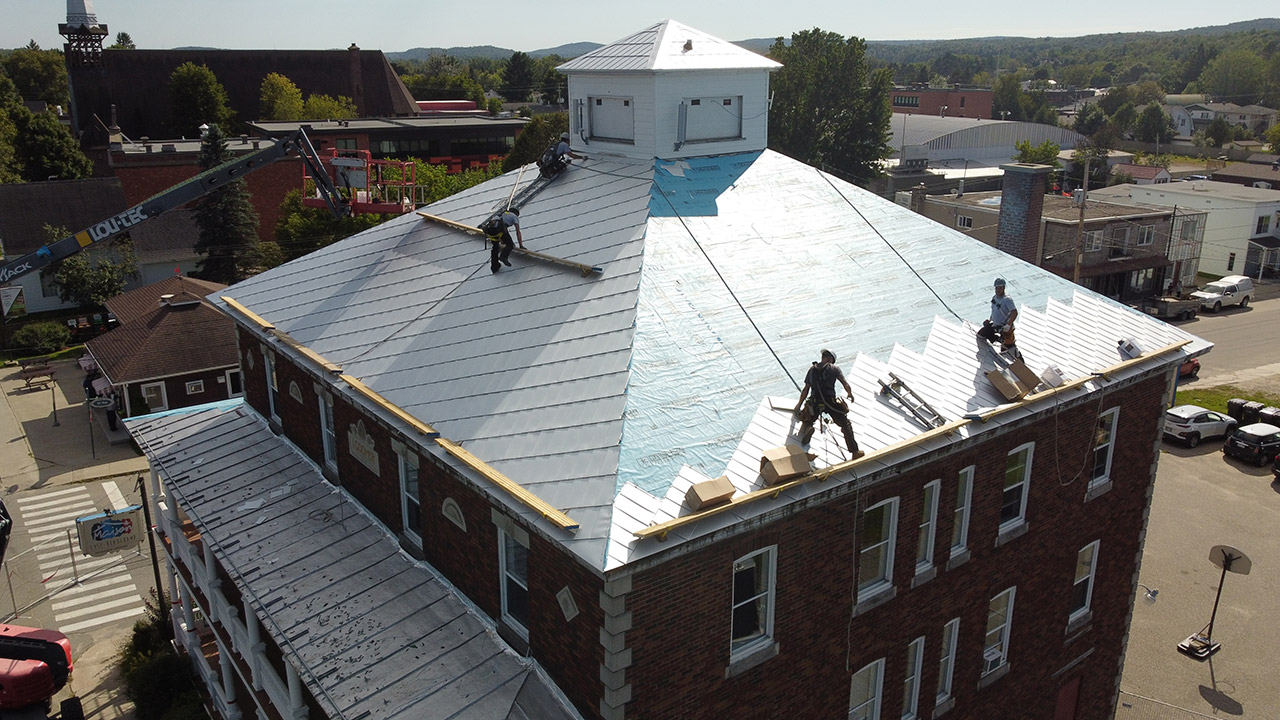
(1215,398)
(71,353)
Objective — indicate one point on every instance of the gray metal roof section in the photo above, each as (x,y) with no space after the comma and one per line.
(668,45)
(372,632)
(956,137)
(723,277)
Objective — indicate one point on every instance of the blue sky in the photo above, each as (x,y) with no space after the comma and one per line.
(393,25)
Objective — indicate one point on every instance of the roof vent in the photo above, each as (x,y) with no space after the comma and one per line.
(165,299)
(169,147)
(688,45)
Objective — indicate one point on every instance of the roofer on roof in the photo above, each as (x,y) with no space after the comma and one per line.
(1000,325)
(498,231)
(556,157)
(821,378)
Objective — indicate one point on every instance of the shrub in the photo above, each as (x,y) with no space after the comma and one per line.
(160,683)
(41,338)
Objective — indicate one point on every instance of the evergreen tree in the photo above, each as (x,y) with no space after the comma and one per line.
(45,149)
(226,219)
(123,42)
(198,99)
(540,133)
(1154,125)
(517,78)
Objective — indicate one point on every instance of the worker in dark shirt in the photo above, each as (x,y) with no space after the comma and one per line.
(821,380)
(498,232)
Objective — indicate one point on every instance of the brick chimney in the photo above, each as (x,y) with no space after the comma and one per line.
(357,78)
(1021,207)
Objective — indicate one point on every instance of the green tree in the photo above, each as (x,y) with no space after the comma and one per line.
(279,99)
(1218,131)
(38,75)
(226,219)
(10,168)
(198,99)
(829,107)
(93,277)
(537,135)
(1237,76)
(1090,119)
(517,78)
(1273,137)
(123,42)
(1115,98)
(1124,118)
(1154,125)
(45,149)
(327,107)
(302,230)
(1006,98)
(1046,153)
(445,86)
(40,338)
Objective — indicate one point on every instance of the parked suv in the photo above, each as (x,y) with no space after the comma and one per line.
(1258,443)
(1230,290)
(1192,423)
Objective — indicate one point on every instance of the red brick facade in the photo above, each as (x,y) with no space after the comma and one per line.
(677,639)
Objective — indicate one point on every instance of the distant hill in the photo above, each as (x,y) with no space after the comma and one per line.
(571,50)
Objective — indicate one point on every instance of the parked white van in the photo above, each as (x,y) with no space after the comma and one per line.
(1230,290)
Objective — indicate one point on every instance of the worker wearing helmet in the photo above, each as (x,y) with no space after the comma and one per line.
(556,158)
(1000,325)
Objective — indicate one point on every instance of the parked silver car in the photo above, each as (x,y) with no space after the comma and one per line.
(1192,423)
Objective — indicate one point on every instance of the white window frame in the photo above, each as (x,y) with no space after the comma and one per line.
(273,385)
(504,575)
(964,222)
(195,387)
(947,660)
(1112,418)
(1023,486)
(995,645)
(328,431)
(964,506)
(911,683)
(867,708)
(164,396)
(1086,560)
(884,578)
(1263,226)
(1146,235)
(407,464)
(1092,240)
(234,372)
(748,645)
(928,534)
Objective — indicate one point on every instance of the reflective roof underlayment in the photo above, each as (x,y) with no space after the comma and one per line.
(723,278)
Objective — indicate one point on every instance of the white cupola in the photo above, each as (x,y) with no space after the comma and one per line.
(669,91)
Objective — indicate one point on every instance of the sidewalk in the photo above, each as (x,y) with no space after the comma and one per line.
(37,452)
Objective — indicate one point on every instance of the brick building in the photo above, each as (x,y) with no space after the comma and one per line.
(458,493)
(945,102)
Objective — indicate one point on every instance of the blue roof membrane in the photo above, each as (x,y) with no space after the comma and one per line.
(690,187)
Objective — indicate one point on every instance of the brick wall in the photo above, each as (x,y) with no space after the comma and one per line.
(1021,207)
(680,649)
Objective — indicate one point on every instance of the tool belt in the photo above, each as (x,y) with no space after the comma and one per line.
(813,408)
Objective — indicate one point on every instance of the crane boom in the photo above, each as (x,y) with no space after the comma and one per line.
(178,195)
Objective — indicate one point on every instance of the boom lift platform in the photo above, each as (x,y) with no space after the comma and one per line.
(366,185)
(182,193)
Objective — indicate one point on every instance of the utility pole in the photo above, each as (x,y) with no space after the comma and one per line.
(1084,195)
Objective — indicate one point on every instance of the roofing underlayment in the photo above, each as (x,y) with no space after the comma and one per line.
(722,279)
(372,632)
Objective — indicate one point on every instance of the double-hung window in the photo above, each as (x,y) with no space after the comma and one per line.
(995,648)
(1082,587)
(1104,441)
(911,683)
(864,692)
(273,387)
(964,501)
(753,595)
(410,516)
(928,527)
(875,548)
(328,434)
(947,660)
(513,557)
(1146,235)
(1017,476)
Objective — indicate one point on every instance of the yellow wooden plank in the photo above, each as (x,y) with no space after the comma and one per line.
(516,490)
(253,317)
(451,223)
(390,407)
(307,352)
(532,254)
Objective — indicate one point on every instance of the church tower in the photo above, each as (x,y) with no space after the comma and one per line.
(83,33)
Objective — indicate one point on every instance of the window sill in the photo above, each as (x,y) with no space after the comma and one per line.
(1078,625)
(1097,489)
(875,598)
(751,659)
(1012,532)
(944,706)
(330,473)
(514,637)
(924,575)
(993,676)
(958,559)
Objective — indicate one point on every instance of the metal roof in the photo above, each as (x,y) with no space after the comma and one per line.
(371,631)
(969,137)
(723,277)
(668,45)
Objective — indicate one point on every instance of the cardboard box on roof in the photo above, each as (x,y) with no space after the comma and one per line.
(709,492)
(784,463)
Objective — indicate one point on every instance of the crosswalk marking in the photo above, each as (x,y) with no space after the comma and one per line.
(49,520)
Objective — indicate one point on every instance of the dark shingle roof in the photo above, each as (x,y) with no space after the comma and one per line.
(25,208)
(167,341)
(137,83)
(132,305)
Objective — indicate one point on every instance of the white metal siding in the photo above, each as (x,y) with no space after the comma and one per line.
(638,88)
(673,88)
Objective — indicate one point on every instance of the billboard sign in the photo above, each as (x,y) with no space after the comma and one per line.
(110,531)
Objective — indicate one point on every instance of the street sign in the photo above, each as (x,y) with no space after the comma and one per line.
(110,531)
